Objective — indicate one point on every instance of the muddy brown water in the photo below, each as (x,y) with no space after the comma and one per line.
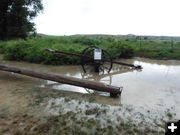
(157,85)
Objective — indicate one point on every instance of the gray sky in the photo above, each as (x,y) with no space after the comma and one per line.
(141,17)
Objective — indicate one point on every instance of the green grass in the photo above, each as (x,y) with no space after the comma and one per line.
(31,50)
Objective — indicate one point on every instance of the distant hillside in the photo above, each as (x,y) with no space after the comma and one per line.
(107,35)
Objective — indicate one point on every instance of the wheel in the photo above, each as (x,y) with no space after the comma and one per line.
(106,62)
(89,63)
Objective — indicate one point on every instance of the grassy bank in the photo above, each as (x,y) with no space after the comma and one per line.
(31,50)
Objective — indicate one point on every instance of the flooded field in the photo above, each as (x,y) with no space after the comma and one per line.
(155,88)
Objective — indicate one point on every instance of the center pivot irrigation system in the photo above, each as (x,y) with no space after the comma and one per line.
(92,56)
(95,57)
(98,59)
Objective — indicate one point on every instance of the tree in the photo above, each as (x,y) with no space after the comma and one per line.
(16,17)
(4,4)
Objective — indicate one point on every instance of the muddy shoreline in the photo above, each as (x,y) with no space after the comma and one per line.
(30,106)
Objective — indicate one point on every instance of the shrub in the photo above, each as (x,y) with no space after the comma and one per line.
(17,51)
(32,51)
(84,40)
(2,47)
(118,50)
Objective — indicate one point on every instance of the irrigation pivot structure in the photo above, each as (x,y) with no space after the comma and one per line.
(95,57)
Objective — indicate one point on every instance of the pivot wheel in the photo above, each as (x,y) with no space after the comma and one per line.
(90,63)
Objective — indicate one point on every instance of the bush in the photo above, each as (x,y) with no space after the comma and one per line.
(119,50)
(84,40)
(2,47)
(32,51)
(17,51)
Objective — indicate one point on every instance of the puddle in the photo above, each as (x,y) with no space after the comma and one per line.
(156,86)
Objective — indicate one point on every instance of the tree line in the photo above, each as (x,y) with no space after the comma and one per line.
(16,17)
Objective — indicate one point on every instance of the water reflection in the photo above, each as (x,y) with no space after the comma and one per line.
(157,85)
(98,77)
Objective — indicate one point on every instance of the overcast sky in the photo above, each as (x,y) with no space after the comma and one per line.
(141,17)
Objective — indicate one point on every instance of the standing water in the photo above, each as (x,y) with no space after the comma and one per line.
(156,86)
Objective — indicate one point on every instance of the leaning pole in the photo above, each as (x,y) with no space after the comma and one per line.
(114,91)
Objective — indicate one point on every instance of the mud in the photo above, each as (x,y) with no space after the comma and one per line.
(150,97)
